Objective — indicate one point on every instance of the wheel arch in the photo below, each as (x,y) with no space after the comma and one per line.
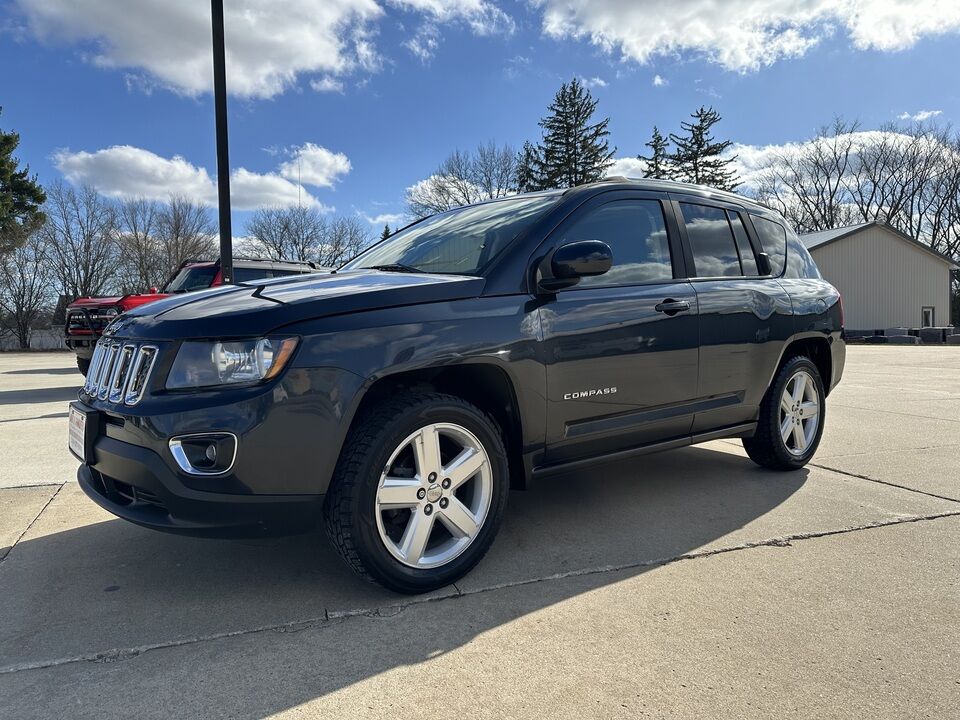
(484,384)
(814,346)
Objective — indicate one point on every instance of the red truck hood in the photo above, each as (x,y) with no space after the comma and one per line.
(127,302)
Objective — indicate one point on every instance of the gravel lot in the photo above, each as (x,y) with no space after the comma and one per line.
(687,584)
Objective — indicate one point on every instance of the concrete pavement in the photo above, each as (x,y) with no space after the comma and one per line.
(688,584)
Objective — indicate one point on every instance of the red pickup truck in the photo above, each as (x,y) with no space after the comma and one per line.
(86,317)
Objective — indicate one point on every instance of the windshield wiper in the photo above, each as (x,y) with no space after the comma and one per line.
(395,267)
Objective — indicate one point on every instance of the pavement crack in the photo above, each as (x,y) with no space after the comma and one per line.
(330,618)
(9,550)
(884,482)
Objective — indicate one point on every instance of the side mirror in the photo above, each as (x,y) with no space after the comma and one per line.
(763,264)
(575,260)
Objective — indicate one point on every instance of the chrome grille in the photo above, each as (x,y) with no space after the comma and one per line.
(119,371)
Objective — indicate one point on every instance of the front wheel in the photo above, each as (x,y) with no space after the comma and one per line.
(419,491)
(83,365)
(791,418)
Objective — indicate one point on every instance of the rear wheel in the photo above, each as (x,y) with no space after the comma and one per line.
(83,364)
(791,418)
(419,492)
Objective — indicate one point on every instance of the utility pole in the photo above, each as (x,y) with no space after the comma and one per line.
(223,155)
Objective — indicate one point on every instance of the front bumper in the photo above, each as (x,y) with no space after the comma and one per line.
(289,433)
(135,484)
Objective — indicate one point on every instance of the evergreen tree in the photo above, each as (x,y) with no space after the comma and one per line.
(21,196)
(658,164)
(386,232)
(697,156)
(528,169)
(574,151)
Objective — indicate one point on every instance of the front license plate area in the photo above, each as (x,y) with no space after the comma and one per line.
(82,429)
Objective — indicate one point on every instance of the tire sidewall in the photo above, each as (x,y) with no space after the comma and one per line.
(790,369)
(370,548)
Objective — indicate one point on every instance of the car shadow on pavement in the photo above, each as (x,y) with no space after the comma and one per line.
(112,587)
(38,395)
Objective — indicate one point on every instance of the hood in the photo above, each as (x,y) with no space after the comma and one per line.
(252,310)
(126,302)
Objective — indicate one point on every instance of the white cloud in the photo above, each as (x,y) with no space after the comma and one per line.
(394,220)
(630,167)
(659,81)
(268,43)
(315,165)
(919,116)
(327,84)
(424,42)
(744,35)
(483,17)
(124,172)
(594,82)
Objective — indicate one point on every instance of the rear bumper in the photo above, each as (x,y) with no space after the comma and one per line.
(134,483)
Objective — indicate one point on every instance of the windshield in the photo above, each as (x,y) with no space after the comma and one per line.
(196,277)
(458,242)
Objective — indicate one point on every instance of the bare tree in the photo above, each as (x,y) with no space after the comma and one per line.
(25,288)
(908,177)
(294,233)
(79,239)
(465,177)
(140,263)
(184,231)
(345,238)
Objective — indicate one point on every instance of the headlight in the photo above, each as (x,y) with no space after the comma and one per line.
(227,362)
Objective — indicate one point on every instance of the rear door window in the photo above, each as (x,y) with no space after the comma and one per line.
(637,236)
(711,241)
(773,240)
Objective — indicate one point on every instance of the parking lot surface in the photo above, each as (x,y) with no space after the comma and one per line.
(687,584)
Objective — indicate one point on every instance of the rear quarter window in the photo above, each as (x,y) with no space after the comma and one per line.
(773,240)
(799,262)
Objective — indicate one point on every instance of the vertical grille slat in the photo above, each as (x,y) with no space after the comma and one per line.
(120,372)
(118,383)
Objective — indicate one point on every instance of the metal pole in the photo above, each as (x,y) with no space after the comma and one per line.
(223,155)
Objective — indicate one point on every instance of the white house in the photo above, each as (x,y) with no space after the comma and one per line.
(887,279)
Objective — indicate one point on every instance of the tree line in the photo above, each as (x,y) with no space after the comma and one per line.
(573,150)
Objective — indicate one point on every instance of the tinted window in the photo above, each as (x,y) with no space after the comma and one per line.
(773,240)
(459,241)
(747,259)
(247,274)
(711,240)
(635,232)
(192,278)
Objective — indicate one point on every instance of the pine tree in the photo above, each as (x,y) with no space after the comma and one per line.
(527,175)
(21,196)
(658,164)
(574,151)
(386,232)
(697,156)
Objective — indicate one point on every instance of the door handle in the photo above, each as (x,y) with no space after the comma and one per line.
(672,307)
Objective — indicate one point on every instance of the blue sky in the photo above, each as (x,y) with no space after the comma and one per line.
(375,93)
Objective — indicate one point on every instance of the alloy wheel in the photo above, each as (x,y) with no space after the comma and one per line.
(434,495)
(799,413)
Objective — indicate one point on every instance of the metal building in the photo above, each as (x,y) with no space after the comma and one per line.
(887,278)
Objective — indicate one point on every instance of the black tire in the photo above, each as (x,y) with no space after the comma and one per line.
(349,511)
(83,365)
(767,447)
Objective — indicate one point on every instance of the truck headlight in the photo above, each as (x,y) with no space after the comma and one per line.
(229,362)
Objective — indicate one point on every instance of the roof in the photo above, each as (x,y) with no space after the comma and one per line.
(703,191)
(825,237)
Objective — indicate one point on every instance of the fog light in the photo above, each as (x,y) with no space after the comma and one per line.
(204,453)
